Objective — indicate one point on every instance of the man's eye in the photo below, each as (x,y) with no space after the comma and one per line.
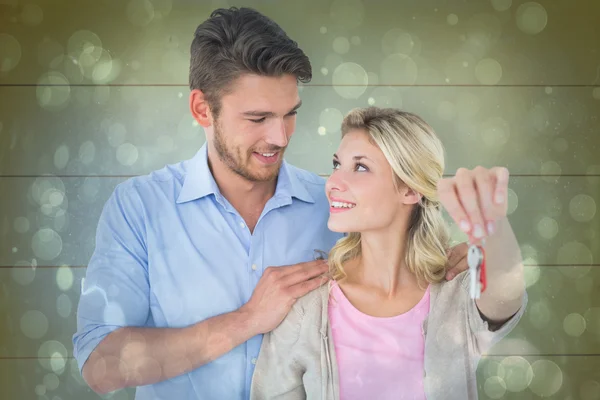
(258,121)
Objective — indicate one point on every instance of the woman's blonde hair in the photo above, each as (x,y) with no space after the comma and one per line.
(416,156)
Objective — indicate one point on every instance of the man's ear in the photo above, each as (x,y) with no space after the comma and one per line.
(200,108)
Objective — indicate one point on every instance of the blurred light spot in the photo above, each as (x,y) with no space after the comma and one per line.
(590,390)
(495,132)
(547,228)
(61,157)
(21,225)
(64,306)
(32,14)
(140,12)
(494,387)
(40,390)
(513,201)
(56,198)
(582,208)
(85,44)
(518,373)
(347,13)
(446,110)
(397,41)
(322,131)
(50,53)
(106,69)
(539,315)
(323,30)
(548,90)
(324,71)
(547,378)
(53,91)
(350,80)
(553,207)
(529,252)
(51,381)
(574,253)
(501,5)
(596,93)
(10,52)
(341,45)
(116,134)
(371,101)
(574,324)
(592,319)
(532,274)
(552,170)
(331,119)
(452,19)
(561,145)
(355,40)
(467,105)
(87,152)
(488,71)
(398,69)
(24,273)
(493,368)
(531,18)
(64,278)
(52,356)
(46,244)
(34,324)
(127,154)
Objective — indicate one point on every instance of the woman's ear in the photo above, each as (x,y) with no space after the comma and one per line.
(410,196)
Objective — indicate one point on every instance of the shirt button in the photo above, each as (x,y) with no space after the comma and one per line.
(253,267)
(242,225)
(254,361)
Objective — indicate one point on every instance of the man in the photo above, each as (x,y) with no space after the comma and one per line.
(180,287)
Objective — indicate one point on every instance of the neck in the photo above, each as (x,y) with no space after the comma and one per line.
(382,263)
(242,193)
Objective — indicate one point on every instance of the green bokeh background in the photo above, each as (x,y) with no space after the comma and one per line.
(93,92)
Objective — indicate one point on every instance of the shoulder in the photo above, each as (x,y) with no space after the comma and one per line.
(155,183)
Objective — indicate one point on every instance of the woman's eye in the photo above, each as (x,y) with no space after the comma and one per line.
(359,166)
(335,164)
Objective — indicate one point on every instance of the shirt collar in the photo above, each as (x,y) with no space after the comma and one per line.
(199,181)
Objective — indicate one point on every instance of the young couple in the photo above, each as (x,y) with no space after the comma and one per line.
(181,299)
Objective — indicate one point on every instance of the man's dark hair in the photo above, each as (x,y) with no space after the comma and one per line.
(235,41)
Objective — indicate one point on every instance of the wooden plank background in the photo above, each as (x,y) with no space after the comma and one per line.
(92,93)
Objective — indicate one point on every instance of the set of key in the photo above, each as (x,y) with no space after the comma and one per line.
(476,262)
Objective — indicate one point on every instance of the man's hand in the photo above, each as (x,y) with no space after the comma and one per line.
(277,291)
(457,260)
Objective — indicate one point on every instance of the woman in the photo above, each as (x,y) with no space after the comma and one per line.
(388,326)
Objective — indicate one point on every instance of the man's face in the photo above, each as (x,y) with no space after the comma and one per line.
(255,123)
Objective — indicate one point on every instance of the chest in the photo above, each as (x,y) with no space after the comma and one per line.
(204,262)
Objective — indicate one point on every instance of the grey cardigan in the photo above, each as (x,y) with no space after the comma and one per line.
(297,360)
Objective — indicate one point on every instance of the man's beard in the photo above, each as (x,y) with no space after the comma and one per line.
(234,159)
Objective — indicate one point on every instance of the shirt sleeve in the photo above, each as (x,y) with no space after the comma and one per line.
(115,290)
(483,334)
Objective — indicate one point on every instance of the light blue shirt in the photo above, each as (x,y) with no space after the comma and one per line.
(171,251)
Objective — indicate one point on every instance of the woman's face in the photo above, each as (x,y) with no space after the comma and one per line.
(361,191)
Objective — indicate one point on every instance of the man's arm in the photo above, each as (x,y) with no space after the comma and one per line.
(114,348)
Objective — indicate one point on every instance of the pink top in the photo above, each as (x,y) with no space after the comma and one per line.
(378,358)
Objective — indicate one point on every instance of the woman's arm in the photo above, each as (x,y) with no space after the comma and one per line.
(505,290)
